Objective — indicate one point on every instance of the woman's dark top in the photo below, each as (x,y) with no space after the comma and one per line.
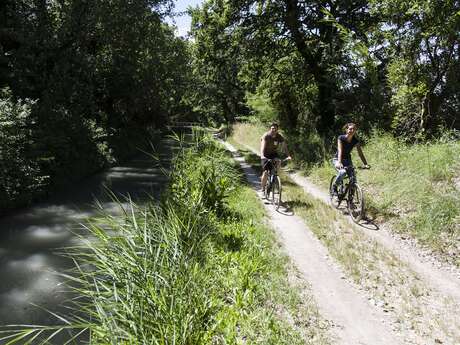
(346,147)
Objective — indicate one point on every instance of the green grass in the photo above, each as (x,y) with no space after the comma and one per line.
(248,134)
(414,187)
(387,281)
(200,268)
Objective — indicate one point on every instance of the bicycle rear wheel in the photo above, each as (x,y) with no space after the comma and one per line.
(276,190)
(333,195)
(356,202)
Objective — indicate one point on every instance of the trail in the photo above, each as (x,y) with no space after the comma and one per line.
(443,278)
(355,320)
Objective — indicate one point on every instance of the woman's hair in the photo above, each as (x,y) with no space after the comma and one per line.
(274,124)
(348,125)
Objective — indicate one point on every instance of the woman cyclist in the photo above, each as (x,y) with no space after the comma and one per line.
(345,144)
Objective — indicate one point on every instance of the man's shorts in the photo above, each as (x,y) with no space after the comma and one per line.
(266,165)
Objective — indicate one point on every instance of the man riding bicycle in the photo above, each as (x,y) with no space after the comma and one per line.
(269,144)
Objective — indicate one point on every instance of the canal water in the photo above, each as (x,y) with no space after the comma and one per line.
(31,239)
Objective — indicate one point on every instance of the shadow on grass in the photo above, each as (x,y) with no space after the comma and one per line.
(229,215)
(285,210)
(368,222)
(231,242)
(292,204)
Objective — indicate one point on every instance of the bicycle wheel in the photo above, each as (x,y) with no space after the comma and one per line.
(355,202)
(276,190)
(333,196)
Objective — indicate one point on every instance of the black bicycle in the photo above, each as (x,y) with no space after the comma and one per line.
(273,189)
(348,189)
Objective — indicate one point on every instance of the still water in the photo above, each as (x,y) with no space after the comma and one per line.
(31,239)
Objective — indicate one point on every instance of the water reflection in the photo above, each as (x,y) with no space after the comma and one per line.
(30,238)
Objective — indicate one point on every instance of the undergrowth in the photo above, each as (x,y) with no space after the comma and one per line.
(389,283)
(197,268)
(414,187)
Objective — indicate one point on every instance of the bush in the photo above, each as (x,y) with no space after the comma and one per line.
(203,175)
(20,175)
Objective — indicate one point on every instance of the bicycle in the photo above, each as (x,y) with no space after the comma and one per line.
(273,188)
(349,191)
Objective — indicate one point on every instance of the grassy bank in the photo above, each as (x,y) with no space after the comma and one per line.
(389,283)
(414,187)
(199,268)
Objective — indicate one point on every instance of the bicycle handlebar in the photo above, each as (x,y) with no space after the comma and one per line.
(281,160)
(358,167)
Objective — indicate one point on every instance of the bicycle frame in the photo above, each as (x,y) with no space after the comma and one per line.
(349,191)
(272,173)
(273,186)
(351,181)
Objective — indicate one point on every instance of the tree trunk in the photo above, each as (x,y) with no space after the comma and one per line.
(325,106)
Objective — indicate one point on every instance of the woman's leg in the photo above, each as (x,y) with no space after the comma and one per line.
(340,171)
(348,163)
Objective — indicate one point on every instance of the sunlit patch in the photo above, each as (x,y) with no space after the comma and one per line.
(42,285)
(34,262)
(138,175)
(47,233)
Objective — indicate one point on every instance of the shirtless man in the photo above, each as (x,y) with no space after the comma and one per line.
(269,144)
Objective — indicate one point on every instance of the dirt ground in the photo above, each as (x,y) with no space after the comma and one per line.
(356,316)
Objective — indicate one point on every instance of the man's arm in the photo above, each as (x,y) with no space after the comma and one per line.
(286,149)
(262,146)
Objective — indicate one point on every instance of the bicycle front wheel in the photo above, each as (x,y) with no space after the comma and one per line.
(276,190)
(333,195)
(267,190)
(356,202)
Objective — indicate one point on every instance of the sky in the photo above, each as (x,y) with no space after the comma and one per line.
(183,21)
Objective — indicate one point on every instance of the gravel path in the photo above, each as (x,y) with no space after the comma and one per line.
(355,321)
(440,276)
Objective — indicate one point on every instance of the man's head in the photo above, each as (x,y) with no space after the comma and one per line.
(274,128)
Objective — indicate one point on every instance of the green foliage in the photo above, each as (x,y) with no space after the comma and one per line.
(407,98)
(174,273)
(203,176)
(419,37)
(216,93)
(260,105)
(20,173)
(412,186)
(384,64)
(100,74)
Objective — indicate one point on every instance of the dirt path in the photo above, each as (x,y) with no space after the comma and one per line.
(444,278)
(355,321)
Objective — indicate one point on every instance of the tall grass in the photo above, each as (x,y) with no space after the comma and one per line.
(249,134)
(197,268)
(415,187)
